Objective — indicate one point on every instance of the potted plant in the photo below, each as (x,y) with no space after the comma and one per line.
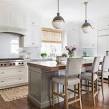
(43,55)
(70,50)
(64,55)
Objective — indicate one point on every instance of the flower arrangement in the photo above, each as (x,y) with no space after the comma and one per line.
(70,50)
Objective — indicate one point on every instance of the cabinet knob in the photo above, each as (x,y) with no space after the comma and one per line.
(2,72)
(20,71)
(32,43)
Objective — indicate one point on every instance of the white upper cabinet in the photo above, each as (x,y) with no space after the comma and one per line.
(103,23)
(16,17)
(103,26)
(103,36)
(12,16)
(103,32)
(103,45)
(72,32)
(88,40)
(33,37)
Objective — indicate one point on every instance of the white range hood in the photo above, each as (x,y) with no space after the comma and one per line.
(10,29)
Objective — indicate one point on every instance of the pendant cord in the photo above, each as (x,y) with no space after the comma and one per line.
(58,6)
(85,10)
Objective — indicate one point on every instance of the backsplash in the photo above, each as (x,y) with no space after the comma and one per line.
(9,45)
(89,52)
(30,52)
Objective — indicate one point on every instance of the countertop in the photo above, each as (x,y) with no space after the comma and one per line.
(52,65)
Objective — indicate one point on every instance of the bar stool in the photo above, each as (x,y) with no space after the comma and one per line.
(91,77)
(71,78)
(61,60)
(60,73)
(104,70)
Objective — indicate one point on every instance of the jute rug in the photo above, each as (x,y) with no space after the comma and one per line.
(14,93)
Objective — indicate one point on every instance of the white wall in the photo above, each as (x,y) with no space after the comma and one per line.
(88,41)
(72,30)
(18,17)
(73,33)
(83,42)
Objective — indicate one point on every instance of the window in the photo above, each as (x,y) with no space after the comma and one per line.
(51,42)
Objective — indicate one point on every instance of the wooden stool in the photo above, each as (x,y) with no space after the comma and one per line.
(70,79)
(92,79)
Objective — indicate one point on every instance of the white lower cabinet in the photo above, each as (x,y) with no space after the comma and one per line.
(13,76)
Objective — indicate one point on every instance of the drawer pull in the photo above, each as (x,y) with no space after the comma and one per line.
(20,79)
(20,71)
(2,73)
(2,81)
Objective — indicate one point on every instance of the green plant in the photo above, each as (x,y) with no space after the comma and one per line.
(64,55)
(43,54)
(70,50)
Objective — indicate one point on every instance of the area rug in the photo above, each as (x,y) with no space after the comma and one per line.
(11,94)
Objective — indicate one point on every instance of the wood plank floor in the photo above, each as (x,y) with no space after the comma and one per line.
(86,100)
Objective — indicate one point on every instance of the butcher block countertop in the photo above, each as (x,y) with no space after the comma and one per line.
(53,66)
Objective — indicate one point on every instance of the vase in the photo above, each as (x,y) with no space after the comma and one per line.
(71,55)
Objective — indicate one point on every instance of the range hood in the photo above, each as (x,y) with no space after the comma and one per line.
(15,30)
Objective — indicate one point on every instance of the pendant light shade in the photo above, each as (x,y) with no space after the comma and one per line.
(86,27)
(58,21)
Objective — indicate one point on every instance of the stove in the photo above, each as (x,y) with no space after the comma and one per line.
(11,62)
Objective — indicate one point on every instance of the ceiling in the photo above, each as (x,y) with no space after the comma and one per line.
(72,10)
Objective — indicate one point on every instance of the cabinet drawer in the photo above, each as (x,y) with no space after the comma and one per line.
(20,70)
(11,72)
(11,80)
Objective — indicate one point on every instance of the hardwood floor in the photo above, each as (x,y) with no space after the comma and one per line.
(86,100)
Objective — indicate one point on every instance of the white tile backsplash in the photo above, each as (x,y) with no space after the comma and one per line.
(7,49)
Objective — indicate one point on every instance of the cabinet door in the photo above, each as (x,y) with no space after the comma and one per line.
(13,75)
(12,71)
(33,37)
(88,40)
(6,82)
(103,45)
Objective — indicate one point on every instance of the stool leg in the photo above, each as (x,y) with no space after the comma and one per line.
(96,85)
(63,89)
(66,97)
(52,93)
(74,91)
(58,87)
(93,93)
(81,85)
(79,94)
(108,80)
(102,86)
(88,86)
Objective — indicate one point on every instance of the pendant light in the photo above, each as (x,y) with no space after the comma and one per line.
(86,27)
(58,21)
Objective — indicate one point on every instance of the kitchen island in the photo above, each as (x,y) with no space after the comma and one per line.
(40,74)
